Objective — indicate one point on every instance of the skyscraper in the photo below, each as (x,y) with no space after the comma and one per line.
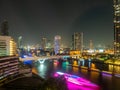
(57,44)
(4,28)
(49,44)
(43,43)
(116,27)
(91,45)
(77,41)
(20,42)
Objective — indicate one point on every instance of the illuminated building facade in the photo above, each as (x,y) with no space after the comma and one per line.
(7,46)
(57,44)
(116,27)
(77,41)
(49,44)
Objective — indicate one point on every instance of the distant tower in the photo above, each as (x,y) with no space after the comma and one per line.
(57,43)
(91,44)
(116,27)
(4,28)
(77,41)
(20,42)
(49,44)
(44,43)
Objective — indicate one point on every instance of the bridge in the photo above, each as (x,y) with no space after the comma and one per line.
(42,59)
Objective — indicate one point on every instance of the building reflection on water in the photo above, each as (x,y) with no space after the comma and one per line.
(115,69)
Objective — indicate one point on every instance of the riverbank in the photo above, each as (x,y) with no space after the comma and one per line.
(24,83)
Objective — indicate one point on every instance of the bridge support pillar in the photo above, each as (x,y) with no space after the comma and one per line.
(41,61)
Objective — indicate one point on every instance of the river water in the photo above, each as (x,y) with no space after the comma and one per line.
(49,67)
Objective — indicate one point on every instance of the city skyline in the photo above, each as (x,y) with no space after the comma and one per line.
(36,19)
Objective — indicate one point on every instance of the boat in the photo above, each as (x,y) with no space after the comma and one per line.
(76,79)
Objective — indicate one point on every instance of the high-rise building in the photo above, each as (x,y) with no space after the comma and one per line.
(49,44)
(7,46)
(44,43)
(4,28)
(57,44)
(91,45)
(77,41)
(20,42)
(116,27)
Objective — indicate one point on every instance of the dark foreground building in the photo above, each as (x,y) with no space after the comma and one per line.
(8,69)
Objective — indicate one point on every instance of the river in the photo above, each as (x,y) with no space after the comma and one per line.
(49,67)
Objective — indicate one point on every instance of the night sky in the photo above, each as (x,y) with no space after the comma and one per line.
(34,19)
